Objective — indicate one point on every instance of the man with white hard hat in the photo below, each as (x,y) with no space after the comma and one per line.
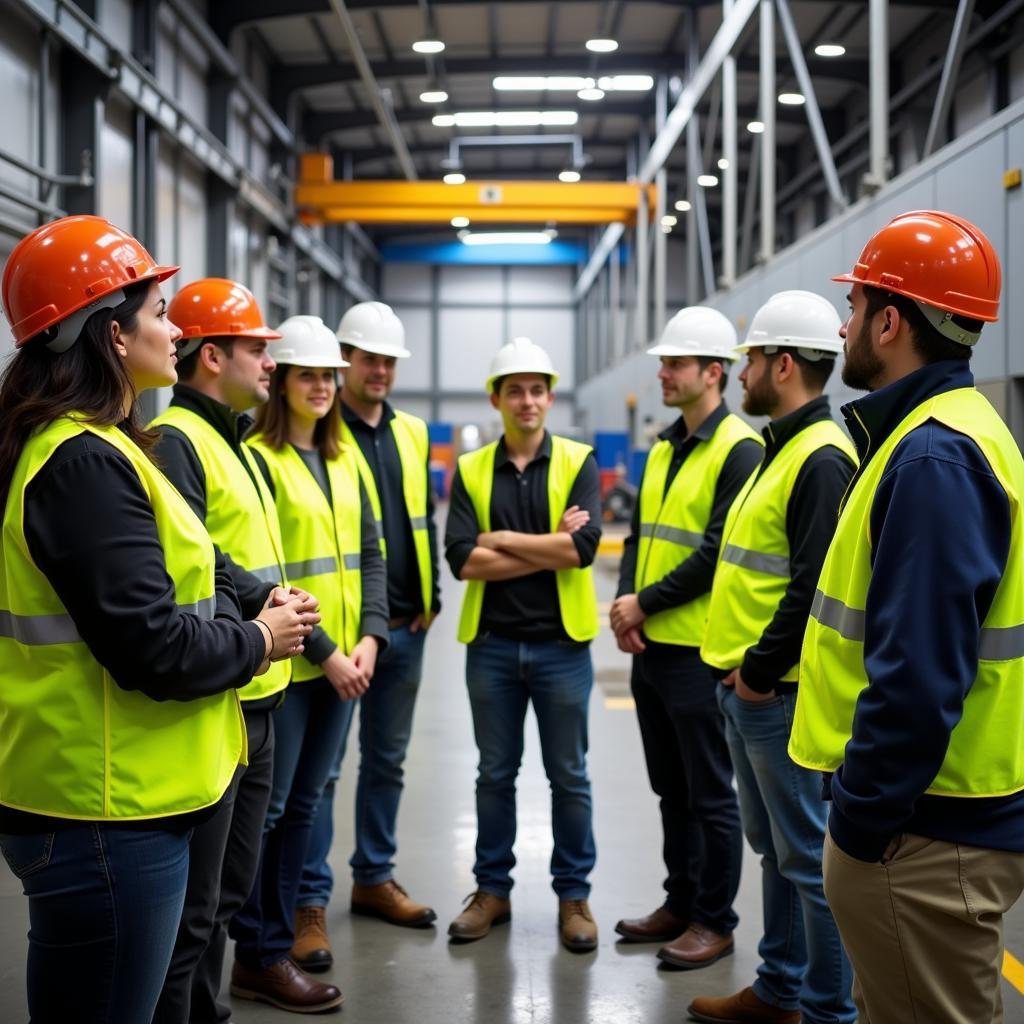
(523,529)
(773,546)
(691,478)
(393,454)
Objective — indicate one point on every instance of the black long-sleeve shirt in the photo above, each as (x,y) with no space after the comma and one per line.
(525,608)
(377,443)
(373,620)
(693,576)
(811,517)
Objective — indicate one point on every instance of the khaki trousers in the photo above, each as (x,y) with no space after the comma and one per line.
(924,929)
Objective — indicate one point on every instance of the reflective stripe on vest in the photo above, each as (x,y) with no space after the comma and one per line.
(240,517)
(672,524)
(74,743)
(319,535)
(753,572)
(577,599)
(413,443)
(985,756)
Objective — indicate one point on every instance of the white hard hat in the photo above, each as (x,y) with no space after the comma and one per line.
(307,341)
(373,327)
(520,355)
(796,319)
(697,331)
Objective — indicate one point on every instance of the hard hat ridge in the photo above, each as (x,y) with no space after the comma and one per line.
(373,327)
(307,341)
(520,355)
(697,331)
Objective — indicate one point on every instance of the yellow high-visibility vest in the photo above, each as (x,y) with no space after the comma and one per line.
(74,744)
(413,444)
(240,517)
(577,599)
(672,524)
(322,540)
(753,562)
(986,748)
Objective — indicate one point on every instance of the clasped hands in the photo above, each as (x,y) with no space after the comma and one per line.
(286,619)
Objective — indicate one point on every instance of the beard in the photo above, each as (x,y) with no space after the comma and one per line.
(761,398)
(862,367)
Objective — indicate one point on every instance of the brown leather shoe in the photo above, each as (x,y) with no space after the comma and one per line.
(285,986)
(311,949)
(696,947)
(391,903)
(661,926)
(576,926)
(483,911)
(742,1008)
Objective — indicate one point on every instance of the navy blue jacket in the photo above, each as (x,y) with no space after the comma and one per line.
(940,534)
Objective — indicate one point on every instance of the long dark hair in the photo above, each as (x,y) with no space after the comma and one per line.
(39,386)
(272,419)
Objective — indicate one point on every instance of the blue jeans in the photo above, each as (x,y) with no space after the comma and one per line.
(503,676)
(385,726)
(104,904)
(803,963)
(310,727)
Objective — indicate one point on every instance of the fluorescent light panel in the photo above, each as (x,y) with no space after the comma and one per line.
(454,178)
(602,45)
(683,205)
(792,99)
(433,96)
(506,119)
(755,127)
(428,46)
(707,180)
(830,49)
(569,176)
(460,222)
(572,83)
(506,237)
(591,94)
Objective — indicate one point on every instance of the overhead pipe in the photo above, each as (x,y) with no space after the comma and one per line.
(878,101)
(768,135)
(950,72)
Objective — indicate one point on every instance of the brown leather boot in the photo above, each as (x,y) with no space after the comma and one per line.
(660,926)
(483,911)
(742,1008)
(576,926)
(391,903)
(696,947)
(311,949)
(285,986)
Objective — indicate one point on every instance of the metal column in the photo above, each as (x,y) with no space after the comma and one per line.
(660,238)
(642,296)
(950,71)
(768,135)
(731,171)
(878,28)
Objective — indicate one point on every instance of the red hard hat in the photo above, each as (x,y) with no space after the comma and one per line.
(68,265)
(215,307)
(936,259)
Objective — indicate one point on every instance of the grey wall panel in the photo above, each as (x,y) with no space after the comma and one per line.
(167,248)
(532,285)
(1013,255)
(192,220)
(117,159)
(415,406)
(193,64)
(19,88)
(404,282)
(414,372)
(554,331)
(115,18)
(468,339)
(462,411)
(167,50)
(472,284)
(7,243)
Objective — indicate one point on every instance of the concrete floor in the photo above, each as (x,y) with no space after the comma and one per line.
(519,974)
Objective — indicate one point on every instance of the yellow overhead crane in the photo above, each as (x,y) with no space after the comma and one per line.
(319,199)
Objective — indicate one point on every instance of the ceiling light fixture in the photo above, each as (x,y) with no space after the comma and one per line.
(792,99)
(755,127)
(506,119)
(454,178)
(830,49)
(707,180)
(590,94)
(602,45)
(541,83)
(460,222)
(723,164)
(570,177)
(506,237)
(669,221)
(626,83)
(683,205)
(428,46)
(433,96)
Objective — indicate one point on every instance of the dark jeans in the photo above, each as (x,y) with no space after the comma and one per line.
(310,728)
(104,904)
(385,726)
(504,677)
(223,857)
(689,769)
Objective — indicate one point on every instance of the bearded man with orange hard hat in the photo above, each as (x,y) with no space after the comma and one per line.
(912,665)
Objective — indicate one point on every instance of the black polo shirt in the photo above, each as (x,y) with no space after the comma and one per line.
(525,608)
(380,450)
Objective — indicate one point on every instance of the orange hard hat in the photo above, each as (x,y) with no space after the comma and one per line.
(214,307)
(938,260)
(75,265)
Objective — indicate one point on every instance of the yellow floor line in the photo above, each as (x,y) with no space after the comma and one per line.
(1013,971)
(627,704)
(610,545)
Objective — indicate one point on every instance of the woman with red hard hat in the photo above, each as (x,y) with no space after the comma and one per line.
(121,643)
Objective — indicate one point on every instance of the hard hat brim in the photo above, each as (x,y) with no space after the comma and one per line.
(550,374)
(310,363)
(948,307)
(703,351)
(377,350)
